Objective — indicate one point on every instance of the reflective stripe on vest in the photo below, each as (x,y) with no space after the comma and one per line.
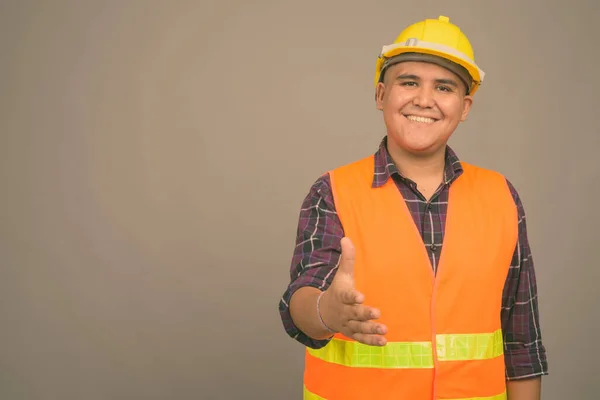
(450,347)
(461,347)
(392,355)
(311,396)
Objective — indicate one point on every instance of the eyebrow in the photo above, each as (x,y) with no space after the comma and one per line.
(416,78)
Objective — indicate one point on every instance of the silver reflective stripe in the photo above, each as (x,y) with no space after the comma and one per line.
(414,42)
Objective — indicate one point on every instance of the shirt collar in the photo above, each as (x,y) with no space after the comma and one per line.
(386,168)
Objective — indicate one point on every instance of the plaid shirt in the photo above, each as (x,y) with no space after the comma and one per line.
(318,250)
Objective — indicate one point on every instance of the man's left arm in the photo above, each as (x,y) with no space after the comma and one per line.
(525,355)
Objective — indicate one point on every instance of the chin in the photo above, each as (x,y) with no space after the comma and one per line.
(421,151)
(418,142)
(409,145)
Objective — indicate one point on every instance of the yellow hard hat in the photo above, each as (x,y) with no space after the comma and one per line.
(437,41)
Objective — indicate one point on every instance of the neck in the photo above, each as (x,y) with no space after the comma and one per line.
(419,167)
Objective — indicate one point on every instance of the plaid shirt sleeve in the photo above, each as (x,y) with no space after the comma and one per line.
(525,355)
(316,253)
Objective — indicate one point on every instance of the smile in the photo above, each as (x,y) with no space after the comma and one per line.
(424,120)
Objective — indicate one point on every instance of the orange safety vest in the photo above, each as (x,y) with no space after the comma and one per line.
(444,331)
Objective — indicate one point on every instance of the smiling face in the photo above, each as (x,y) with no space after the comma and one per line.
(422,105)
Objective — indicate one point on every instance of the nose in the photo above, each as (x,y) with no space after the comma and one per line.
(424,97)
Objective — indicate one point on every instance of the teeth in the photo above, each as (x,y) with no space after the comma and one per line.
(420,119)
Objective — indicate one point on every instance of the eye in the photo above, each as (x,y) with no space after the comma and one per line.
(445,88)
(409,83)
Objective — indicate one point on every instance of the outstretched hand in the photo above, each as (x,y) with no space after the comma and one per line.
(342,305)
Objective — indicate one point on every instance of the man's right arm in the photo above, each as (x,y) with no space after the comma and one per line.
(312,269)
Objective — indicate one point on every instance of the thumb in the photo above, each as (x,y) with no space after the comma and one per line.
(348,256)
(345,274)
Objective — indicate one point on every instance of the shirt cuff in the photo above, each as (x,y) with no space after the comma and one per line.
(526,363)
(288,324)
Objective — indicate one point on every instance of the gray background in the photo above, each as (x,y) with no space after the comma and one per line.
(154,155)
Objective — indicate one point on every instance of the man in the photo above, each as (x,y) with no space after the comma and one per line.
(412,276)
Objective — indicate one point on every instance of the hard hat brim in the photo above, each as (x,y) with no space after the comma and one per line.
(458,70)
(434,49)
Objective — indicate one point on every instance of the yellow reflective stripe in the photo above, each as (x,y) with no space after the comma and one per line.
(460,347)
(312,396)
(449,347)
(392,355)
(501,396)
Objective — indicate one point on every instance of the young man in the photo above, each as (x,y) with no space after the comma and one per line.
(412,276)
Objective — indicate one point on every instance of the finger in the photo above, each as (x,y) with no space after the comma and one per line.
(352,297)
(347,258)
(364,313)
(369,339)
(367,327)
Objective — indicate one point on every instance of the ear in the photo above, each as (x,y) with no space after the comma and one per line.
(379,95)
(467,103)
